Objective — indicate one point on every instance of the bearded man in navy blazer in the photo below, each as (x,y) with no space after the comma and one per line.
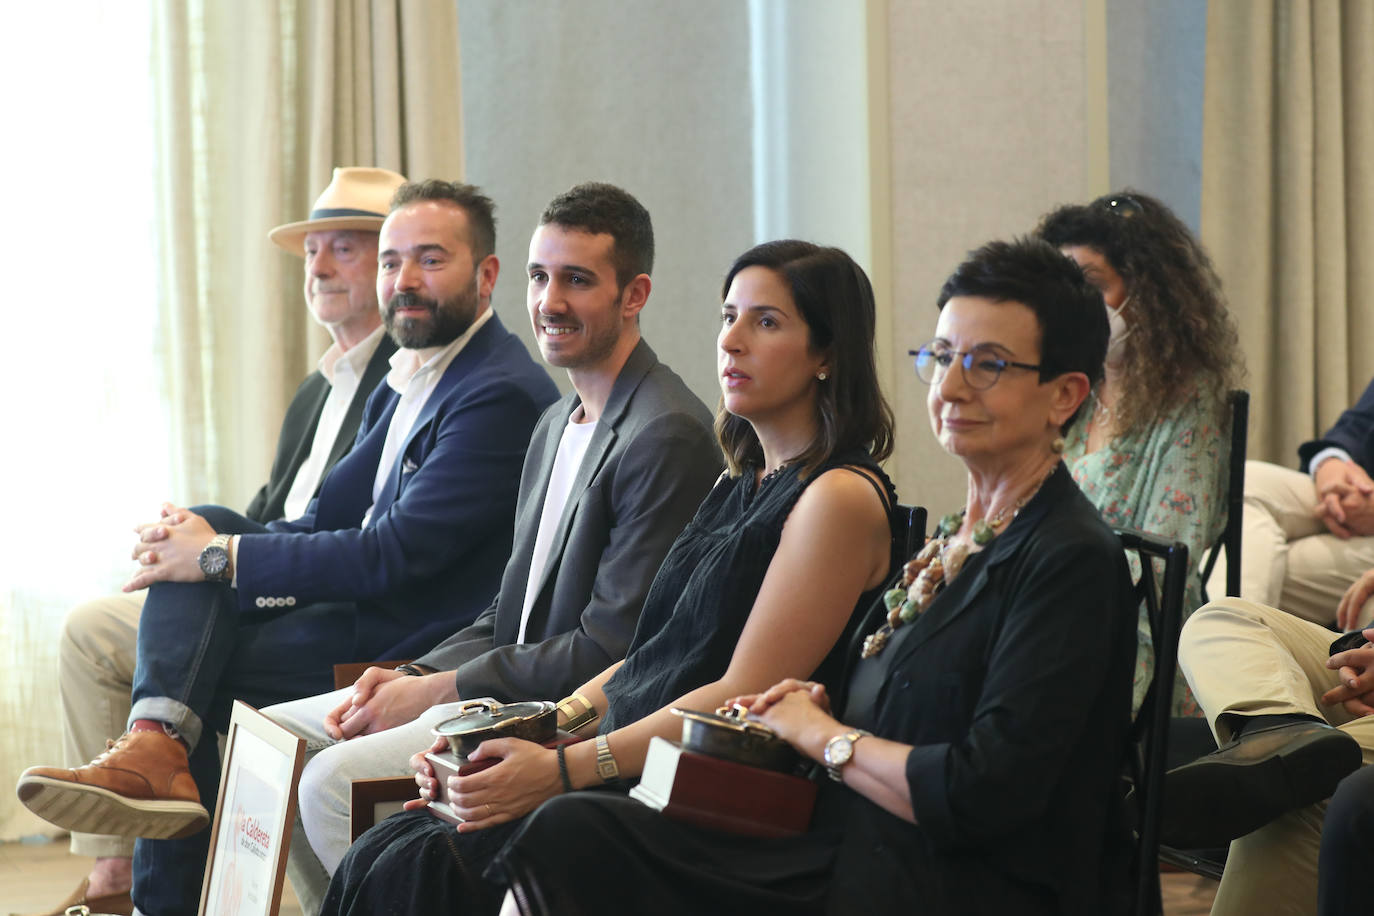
(405,542)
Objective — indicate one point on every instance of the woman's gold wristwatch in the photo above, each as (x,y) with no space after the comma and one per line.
(605,762)
(839,750)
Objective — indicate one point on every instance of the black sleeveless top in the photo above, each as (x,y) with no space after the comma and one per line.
(698,603)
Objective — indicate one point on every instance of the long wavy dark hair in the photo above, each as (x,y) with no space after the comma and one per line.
(835,299)
(1183,340)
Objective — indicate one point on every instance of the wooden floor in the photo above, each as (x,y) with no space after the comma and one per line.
(35,877)
(1187,895)
(38,875)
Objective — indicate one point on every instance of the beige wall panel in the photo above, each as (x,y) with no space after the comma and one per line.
(653,97)
(988,130)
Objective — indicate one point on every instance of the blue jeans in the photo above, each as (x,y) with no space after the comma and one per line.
(196,655)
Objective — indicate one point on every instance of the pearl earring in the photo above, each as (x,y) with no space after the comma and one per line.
(822,376)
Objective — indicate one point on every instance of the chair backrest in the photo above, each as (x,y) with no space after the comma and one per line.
(1238,400)
(1149,744)
(909,530)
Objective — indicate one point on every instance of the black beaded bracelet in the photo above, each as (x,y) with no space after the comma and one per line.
(563,769)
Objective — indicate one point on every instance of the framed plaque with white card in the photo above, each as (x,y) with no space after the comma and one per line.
(246,868)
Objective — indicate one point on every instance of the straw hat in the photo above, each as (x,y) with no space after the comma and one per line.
(357,198)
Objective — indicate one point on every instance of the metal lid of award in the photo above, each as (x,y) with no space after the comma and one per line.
(484,718)
(730,733)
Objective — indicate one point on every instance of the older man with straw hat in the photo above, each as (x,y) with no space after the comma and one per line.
(97,653)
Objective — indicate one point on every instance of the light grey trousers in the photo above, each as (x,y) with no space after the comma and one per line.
(321,834)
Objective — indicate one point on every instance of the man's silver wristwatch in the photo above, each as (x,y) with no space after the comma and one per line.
(839,750)
(214,559)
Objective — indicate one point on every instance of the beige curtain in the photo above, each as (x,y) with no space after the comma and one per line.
(1288,204)
(257,102)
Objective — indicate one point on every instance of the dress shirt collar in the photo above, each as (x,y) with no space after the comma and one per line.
(406,364)
(357,357)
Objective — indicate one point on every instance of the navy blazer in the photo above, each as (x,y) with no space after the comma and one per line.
(440,531)
(1354,432)
(650,462)
(1014,689)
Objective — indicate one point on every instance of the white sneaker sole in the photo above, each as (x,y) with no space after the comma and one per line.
(91,809)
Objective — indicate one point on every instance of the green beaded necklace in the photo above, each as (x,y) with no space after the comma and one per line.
(925,575)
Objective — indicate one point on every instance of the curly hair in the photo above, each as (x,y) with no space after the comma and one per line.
(1183,340)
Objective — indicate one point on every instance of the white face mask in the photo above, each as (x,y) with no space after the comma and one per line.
(1120,329)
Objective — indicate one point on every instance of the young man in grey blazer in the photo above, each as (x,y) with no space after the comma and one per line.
(614,471)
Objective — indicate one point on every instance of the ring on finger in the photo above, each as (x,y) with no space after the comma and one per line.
(489,811)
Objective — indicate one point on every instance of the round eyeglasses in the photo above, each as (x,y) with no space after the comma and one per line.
(982,367)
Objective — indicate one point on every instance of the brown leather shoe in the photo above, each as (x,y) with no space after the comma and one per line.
(114,904)
(141,786)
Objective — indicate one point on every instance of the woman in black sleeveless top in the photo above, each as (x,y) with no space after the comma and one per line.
(765,582)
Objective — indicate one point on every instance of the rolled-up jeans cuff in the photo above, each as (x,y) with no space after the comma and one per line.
(100,846)
(177,715)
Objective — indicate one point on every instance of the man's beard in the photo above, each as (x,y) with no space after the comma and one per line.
(445,323)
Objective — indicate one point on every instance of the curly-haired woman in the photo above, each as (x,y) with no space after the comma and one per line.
(1151,447)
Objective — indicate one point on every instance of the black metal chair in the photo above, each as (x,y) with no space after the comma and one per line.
(912,520)
(1149,744)
(1192,738)
(1239,401)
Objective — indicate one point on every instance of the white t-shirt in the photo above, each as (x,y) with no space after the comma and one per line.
(572,448)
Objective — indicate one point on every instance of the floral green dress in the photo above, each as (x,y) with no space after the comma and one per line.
(1169,479)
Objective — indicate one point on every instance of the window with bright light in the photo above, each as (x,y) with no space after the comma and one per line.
(84,454)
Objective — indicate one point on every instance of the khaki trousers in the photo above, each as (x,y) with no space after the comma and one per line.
(95,666)
(1288,557)
(1246,658)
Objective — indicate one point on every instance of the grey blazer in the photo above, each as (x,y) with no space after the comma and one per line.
(649,464)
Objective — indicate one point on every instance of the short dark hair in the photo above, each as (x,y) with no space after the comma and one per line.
(1183,339)
(835,299)
(597,208)
(478,207)
(1068,309)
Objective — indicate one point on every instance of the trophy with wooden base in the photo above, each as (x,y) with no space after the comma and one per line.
(477,721)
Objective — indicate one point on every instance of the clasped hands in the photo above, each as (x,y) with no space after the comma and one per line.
(797,711)
(1355,668)
(383,698)
(1345,496)
(168,550)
